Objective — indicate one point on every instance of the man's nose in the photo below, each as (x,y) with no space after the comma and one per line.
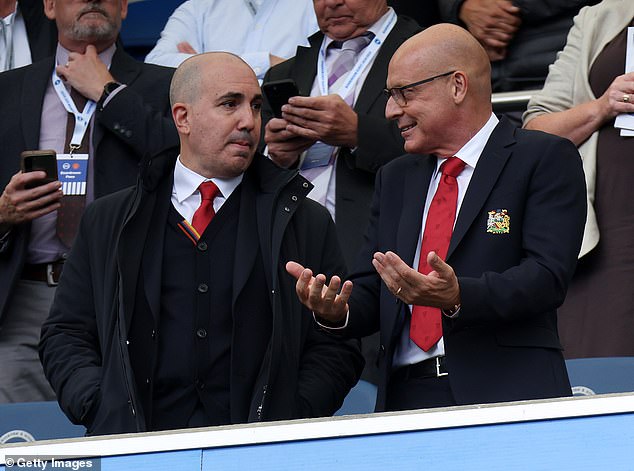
(392,110)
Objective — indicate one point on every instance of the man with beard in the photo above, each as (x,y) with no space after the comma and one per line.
(175,309)
(125,107)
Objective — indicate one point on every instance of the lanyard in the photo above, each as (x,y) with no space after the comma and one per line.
(367,56)
(82,120)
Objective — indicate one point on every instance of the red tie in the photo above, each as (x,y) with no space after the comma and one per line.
(426,326)
(205,212)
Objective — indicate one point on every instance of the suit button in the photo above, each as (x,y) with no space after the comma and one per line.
(147,381)
(153,334)
(128,133)
(203,288)
(201,333)
(202,246)
(116,126)
(200,384)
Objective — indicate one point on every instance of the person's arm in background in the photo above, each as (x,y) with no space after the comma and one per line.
(492,22)
(535,11)
(181,38)
(553,108)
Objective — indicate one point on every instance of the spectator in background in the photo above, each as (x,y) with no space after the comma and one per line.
(472,242)
(521,37)
(342,128)
(262,32)
(425,13)
(127,108)
(175,310)
(584,92)
(26,34)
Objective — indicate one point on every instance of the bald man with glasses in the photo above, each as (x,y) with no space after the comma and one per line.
(472,242)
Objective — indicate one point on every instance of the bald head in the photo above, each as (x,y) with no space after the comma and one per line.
(187,82)
(216,102)
(444,47)
(440,115)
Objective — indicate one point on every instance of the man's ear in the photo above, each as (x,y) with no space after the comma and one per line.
(180,114)
(124,9)
(49,9)
(460,85)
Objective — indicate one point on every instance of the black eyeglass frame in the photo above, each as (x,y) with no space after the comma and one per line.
(398,91)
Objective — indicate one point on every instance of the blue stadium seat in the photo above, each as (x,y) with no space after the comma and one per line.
(29,421)
(360,400)
(589,376)
(142,28)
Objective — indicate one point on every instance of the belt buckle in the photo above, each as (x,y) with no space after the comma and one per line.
(438,373)
(50,275)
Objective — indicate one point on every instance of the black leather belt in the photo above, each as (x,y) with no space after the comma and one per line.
(430,368)
(48,272)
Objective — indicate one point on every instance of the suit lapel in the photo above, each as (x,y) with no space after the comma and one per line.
(414,195)
(246,241)
(305,68)
(33,90)
(488,169)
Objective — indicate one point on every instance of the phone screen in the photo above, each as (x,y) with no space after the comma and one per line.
(278,92)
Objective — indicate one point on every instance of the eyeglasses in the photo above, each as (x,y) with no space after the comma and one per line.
(397,92)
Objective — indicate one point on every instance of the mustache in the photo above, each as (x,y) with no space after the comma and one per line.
(242,137)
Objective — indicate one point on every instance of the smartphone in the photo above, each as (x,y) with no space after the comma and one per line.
(44,160)
(278,92)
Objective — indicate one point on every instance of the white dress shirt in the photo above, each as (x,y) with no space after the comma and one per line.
(407,352)
(251,29)
(14,43)
(186,196)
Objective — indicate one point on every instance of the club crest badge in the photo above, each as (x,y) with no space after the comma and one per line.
(499,222)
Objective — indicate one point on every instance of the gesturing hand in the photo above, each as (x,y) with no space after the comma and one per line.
(324,300)
(439,288)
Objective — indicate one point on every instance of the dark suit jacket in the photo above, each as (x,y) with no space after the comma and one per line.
(304,373)
(504,344)
(379,140)
(135,123)
(41,31)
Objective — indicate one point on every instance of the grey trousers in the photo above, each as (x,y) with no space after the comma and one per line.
(21,374)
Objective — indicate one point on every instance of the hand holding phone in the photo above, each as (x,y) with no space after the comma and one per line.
(278,92)
(43,160)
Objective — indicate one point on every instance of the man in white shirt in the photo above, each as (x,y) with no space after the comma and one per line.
(261,32)
(26,35)
(466,296)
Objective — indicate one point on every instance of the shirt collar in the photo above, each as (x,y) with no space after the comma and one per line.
(186,182)
(471,151)
(374,29)
(61,55)
(11,16)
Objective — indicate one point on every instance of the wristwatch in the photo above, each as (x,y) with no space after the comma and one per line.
(107,90)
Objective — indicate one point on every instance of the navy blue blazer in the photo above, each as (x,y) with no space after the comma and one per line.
(504,344)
